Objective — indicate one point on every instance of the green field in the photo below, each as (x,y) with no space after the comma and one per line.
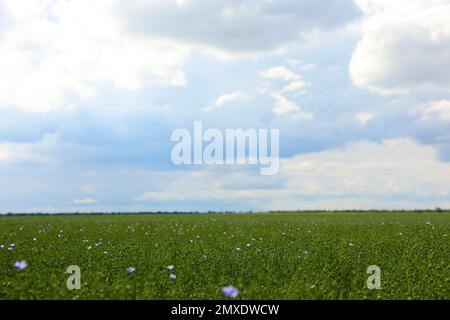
(281,256)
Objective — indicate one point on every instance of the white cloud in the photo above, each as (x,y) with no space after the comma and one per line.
(439,110)
(238,25)
(362,175)
(365,117)
(405,46)
(159,196)
(394,167)
(295,86)
(396,173)
(5,152)
(85,201)
(224,99)
(34,152)
(279,72)
(56,52)
(285,106)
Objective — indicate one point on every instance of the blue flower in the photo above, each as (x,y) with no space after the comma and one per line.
(230,292)
(21,265)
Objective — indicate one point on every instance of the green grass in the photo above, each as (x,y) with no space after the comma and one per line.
(412,250)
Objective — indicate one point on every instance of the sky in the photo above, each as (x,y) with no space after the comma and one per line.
(90,92)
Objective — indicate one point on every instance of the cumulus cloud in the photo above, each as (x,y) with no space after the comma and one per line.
(236,25)
(6,151)
(295,86)
(437,111)
(405,46)
(224,99)
(56,52)
(394,167)
(59,54)
(284,106)
(212,185)
(279,72)
(294,82)
(37,152)
(360,175)
(395,173)
(365,117)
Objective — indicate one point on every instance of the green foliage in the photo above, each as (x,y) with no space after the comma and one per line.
(281,256)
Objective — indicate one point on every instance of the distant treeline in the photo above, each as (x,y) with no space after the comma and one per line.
(439,210)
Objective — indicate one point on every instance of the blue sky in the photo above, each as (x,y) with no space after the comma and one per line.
(91,92)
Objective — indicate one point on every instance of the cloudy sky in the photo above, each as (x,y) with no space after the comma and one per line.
(90,92)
